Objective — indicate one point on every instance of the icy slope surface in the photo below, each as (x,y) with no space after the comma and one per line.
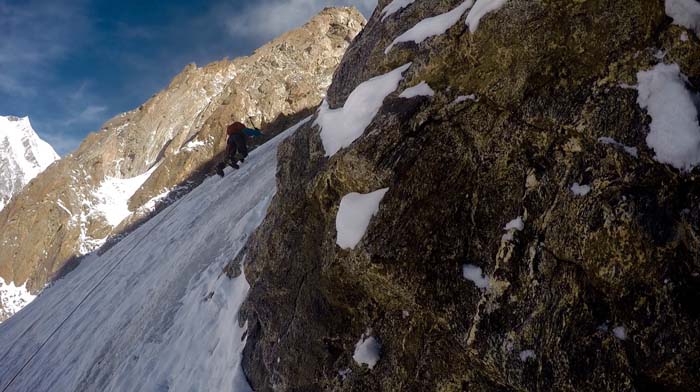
(164,317)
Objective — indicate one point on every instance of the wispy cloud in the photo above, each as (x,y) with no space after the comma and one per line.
(90,114)
(265,20)
(35,34)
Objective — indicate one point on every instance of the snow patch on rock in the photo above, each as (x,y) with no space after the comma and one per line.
(684,13)
(464,98)
(480,9)
(193,145)
(610,141)
(433,26)
(511,227)
(340,127)
(474,274)
(580,190)
(367,351)
(516,223)
(620,332)
(420,90)
(355,212)
(394,7)
(674,130)
(527,354)
(438,25)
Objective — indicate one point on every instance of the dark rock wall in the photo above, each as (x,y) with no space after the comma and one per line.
(550,80)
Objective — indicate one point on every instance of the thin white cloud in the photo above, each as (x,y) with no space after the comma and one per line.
(35,34)
(267,19)
(90,114)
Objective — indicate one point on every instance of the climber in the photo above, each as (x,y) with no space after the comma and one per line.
(236,143)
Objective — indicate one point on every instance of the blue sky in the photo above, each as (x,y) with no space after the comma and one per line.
(71,65)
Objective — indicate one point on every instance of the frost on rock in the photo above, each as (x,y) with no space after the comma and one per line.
(14,298)
(473,273)
(674,130)
(355,212)
(113,196)
(367,351)
(580,190)
(610,141)
(527,354)
(340,127)
(421,89)
(481,8)
(433,26)
(516,224)
(684,13)
(394,7)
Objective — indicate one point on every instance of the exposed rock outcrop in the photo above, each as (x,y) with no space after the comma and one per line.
(594,288)
(118,174)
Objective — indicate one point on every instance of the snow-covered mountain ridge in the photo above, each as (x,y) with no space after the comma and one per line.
(23,155)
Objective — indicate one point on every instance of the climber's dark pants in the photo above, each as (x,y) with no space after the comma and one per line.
(237,143)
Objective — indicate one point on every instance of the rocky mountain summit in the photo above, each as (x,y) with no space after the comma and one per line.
(23,155)
(119,174)
(494,196)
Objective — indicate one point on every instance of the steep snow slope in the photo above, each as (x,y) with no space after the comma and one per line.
(23,155)
(163,316)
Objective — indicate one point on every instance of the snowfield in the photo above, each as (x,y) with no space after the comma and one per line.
(155,312)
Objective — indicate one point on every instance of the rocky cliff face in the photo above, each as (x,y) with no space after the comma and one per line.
(119,173)
(23,155)
(532,236)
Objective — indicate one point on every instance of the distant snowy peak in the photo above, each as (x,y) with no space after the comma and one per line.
(23,155)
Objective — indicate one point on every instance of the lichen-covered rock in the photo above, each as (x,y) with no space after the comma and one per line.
(598,291)
(174,135)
